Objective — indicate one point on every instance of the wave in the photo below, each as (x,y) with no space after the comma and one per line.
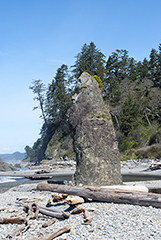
(11,179)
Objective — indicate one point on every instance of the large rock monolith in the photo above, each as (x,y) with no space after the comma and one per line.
(95,144)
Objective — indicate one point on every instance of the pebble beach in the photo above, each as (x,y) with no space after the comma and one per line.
(110,221)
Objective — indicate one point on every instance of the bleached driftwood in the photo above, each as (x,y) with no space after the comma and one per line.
(74,200)
(32,210)
(87,218)
(106,195)
(54,213)
(154,166)
(56,233)
(56,197)
(16,232)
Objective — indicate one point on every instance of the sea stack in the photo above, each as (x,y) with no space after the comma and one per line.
(95,143)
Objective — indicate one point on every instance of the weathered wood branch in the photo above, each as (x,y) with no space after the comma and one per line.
(12,220)
(87,218)
(53,213)
(56,233)
(49,223)
(106,195)
(77,211)
(16,232)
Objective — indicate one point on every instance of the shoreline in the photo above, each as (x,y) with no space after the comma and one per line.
(134,172)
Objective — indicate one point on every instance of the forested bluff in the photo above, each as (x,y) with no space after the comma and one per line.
(131,89)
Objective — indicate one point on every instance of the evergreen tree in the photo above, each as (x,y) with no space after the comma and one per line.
(58,95)
(39,90)
(128,120)
(116,71)
(132,69)
(159,67)
(117,64)
(145,69)
(153,66)
(90,60)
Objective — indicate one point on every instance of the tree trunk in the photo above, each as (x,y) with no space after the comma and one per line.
(106,195)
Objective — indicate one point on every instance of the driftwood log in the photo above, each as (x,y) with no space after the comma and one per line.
(49,223)
(12,220)
(59,197)
(87,218)
(16,232)
(38,177)
(106,195)
(74,200)
(56,233)
(54,213)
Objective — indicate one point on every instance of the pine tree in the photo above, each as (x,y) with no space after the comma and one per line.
(39,90)
(153,66)
(90,60)
(132,69)
(117,64)
(58,95)
(159,67)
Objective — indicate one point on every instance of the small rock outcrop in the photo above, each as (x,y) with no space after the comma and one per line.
(95,144)
(6,166)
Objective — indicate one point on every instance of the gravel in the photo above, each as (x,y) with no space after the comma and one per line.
(110,221)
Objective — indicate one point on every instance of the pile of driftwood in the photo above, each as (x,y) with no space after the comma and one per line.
(75,195)
(106,194)
(33,211)
(154,166)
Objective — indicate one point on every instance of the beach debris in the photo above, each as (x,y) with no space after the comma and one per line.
(32,210)
(153,166)
(49,223)
(77,211)
(35,177)
(12,220)
(22,198)
(106,194)
(54,213)
(16,232)
(42,171)
(56,233)
(87,218)
(74,200)
(58,197)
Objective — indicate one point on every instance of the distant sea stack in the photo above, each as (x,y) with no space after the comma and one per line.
(6,166)
(95,144)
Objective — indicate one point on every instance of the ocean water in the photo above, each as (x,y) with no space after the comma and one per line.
(5,179)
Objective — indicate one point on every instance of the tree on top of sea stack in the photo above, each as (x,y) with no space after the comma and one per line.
(95,143)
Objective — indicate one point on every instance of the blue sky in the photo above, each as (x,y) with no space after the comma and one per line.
(38,36)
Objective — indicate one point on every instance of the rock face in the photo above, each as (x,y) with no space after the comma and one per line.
(6,166)
(95,144)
